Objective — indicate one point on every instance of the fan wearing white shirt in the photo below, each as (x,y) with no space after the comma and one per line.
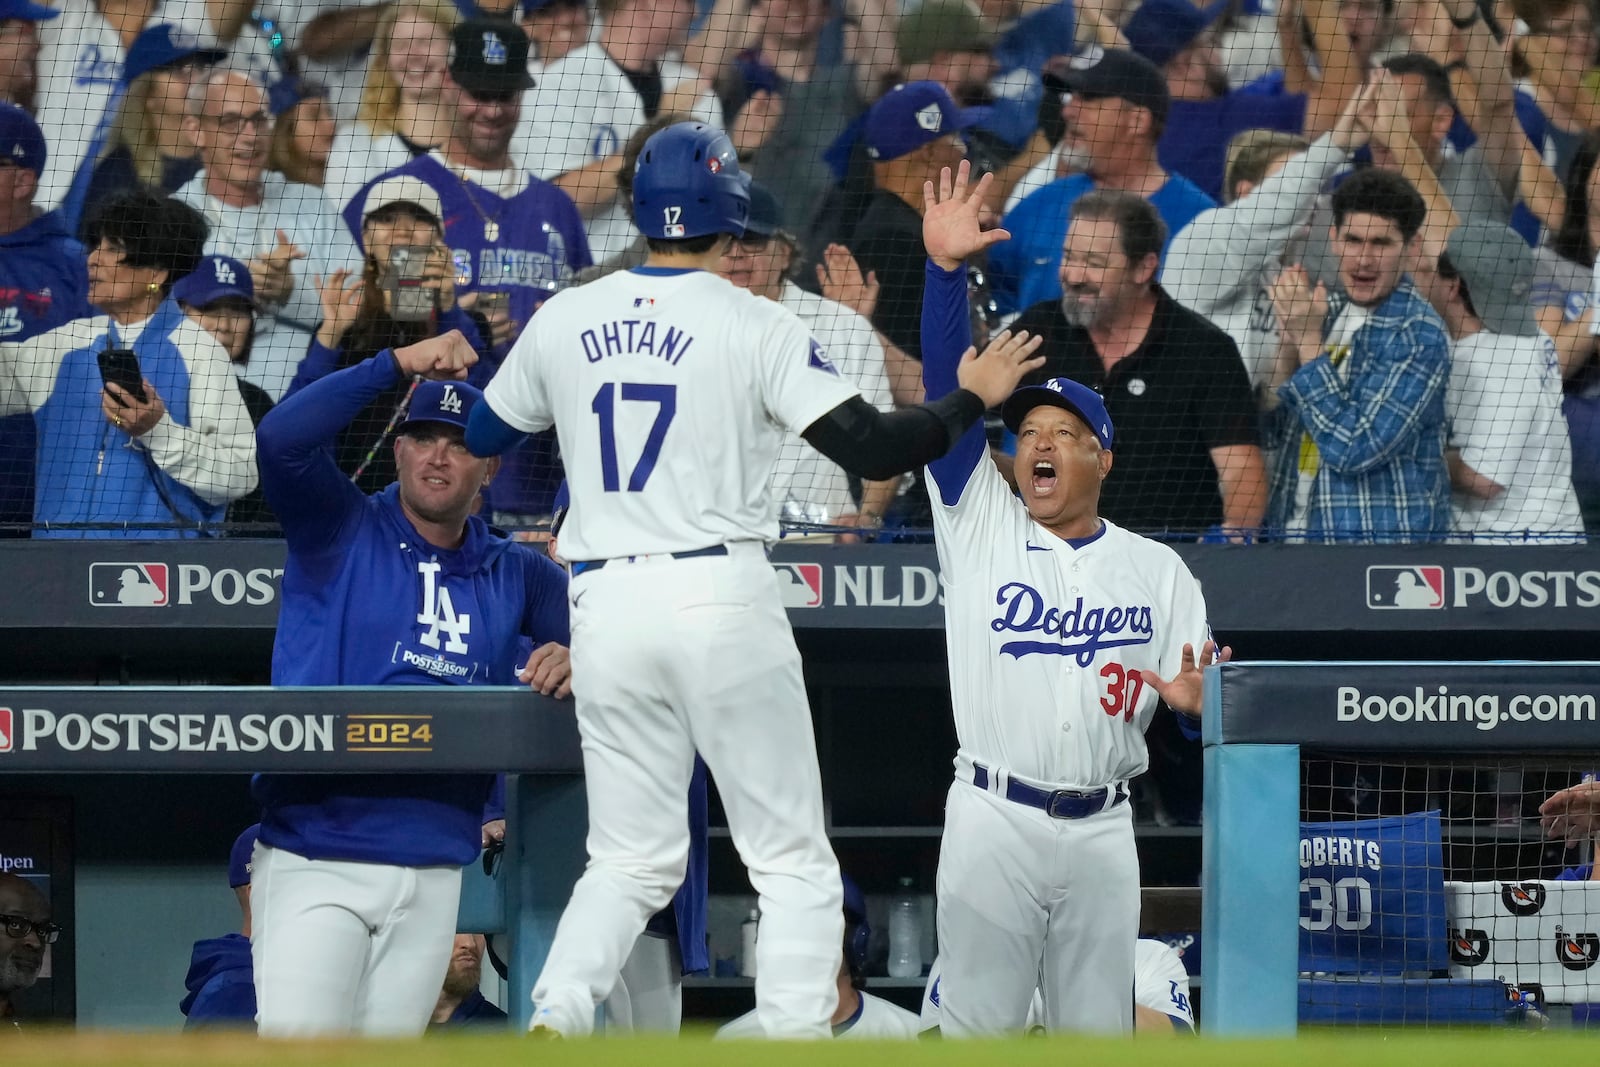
(1509,453)
(807,487)
(285,231)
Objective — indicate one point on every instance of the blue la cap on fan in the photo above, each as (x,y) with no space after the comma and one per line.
(164,45)
(239,862)
(447,402)
(1160,29)
(216,278)
(21,9)
(1062,393)
(21,141)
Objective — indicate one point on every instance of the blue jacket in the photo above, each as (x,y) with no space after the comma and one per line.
(43,284)
(367,601)
(221,984)
(200,456)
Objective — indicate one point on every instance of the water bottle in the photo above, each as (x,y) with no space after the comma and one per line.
(905,934)
(747,943)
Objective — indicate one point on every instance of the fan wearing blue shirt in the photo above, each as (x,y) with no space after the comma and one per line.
(1115,116)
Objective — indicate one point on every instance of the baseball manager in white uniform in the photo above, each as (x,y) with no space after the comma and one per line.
(1063,629)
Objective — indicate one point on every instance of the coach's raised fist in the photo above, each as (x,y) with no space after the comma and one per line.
(447,356)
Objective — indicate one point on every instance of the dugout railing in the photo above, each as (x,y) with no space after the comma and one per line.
(394,730)
(1259,718)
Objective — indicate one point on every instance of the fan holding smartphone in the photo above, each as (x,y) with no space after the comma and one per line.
(405,294)
(157,442)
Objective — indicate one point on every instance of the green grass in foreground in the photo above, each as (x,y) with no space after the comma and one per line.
(1326,1049)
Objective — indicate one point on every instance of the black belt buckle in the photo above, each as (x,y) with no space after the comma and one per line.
(1072,804)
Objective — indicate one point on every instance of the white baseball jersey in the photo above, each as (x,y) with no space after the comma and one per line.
(1504,407)
(1047,686)
(80,64)
(671,392)
(806,485)
(1160,983)
(878,1020)
(358,155)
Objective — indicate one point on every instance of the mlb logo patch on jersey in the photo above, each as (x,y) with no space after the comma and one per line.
(5,730)
(644,301)
(128,585)
(1405,588)
(801,584)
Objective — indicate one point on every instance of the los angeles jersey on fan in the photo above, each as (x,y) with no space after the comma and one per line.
(1050,688)
(648,376)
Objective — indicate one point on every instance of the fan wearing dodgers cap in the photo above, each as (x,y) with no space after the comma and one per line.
(357,877)
(1509,452)
(221,982)
(43,284)
(1064,632)
(1116,113)
(19,50)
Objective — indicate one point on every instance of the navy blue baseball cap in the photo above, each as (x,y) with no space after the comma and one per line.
(21,140)
(164,45)
(1061,393)
(1117,72)
(766,217)
(239,862)
(1160,29)
(216,278)
(21,9)
(910,115)
(446,402)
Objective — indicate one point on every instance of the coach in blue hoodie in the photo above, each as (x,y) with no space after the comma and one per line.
(357,878)
(43,284)
(221,982)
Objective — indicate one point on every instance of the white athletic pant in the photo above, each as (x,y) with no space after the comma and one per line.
(348,948)
(1027,901)
(670,656)
(648,996)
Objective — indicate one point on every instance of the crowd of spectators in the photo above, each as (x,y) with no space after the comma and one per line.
(1330,262)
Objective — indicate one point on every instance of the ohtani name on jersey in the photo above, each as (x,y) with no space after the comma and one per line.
(636,337)
(1023,610)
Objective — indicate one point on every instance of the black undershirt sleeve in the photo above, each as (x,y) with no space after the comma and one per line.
(872,445)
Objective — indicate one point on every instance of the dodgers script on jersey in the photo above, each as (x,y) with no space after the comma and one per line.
(1050,689)
(650,396)
(1372,897)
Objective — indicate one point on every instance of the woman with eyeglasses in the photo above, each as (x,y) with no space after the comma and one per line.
(401,115)
(142,431)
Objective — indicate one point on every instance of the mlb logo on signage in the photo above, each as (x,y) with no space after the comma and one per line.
(1405,588)
(801,584)
(5,730)
(128,585)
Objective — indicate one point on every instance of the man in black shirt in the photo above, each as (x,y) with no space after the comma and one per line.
(1188,455)
(912,132)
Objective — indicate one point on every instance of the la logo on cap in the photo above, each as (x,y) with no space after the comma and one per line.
(494,49)
(930,118)
(17,152)
(225,273)
(1087,58)
(450,401)
(1054,385)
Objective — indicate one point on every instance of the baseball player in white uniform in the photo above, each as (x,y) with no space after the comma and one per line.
(671,391)
(1160,993)
(1063,629)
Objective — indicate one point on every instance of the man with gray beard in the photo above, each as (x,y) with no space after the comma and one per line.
(25,930)
(1188,457)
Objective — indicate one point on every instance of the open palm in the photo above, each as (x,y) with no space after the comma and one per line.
(950,228)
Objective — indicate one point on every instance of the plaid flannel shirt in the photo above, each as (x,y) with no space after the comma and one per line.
(1379,429)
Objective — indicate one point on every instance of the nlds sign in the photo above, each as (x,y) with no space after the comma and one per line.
(149,585)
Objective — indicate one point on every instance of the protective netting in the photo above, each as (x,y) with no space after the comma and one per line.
(1328,262)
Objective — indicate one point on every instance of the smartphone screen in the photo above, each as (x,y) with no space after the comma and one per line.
(120,366)
(410,300)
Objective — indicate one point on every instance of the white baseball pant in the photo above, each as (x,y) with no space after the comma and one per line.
(348,948)
(648,996)
(1028,901)
(670,656)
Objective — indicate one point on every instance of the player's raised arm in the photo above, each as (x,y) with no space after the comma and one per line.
(873,445)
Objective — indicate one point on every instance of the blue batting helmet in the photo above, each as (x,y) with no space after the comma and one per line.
(687,183)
